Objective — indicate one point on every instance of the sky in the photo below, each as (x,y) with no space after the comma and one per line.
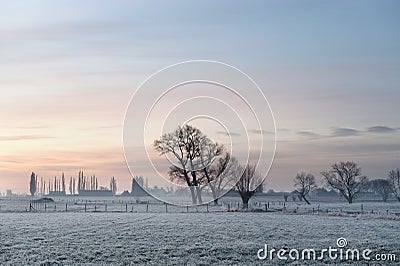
(329,70)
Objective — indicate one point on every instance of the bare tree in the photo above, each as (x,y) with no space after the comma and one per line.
(304,183)
(190,148)
(63,183)
(70,186)
(247,183)
(174,143)
(346,178)
(32,184)
(113,185)
(41,186)
(214,161)
(394,179)
(219,175)
(381,187)
(79,182)
(207,153)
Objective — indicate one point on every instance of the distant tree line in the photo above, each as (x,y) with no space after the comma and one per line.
(346,179)
(57,186)
(37,186)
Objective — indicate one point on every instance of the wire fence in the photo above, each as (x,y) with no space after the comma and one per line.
(151,206)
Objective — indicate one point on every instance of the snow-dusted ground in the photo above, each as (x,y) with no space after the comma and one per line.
(179,238)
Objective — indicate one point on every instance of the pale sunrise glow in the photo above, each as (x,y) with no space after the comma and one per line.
(68,70)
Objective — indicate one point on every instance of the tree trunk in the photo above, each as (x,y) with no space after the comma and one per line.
(245,200)
(350,200)
(198,190)
(351,196)
(213,192)
(211,186)
(197,193)
(193,194)
(301,197)
(304,197)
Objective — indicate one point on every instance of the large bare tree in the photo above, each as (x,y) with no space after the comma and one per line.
(346,178)
(304,183)
(193,152)
(394,179)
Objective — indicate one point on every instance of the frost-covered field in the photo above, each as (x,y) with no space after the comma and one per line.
(174,238)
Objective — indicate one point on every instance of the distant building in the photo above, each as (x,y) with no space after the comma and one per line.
(96,193)
(9,193)
(125,193)
(57,193)
(138,190)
